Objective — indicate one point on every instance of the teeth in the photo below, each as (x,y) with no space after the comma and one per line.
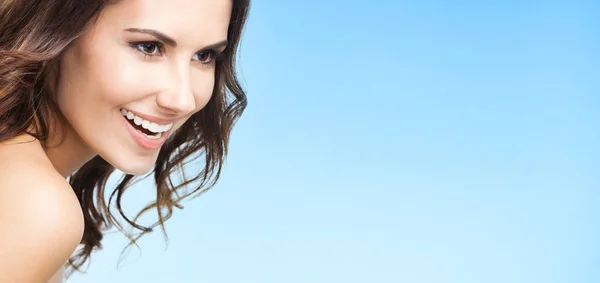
(153,137)
(150,126)
(153,127)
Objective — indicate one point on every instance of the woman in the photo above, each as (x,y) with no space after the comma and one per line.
(89,86)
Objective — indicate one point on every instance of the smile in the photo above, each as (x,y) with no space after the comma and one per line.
(148,128)
(148,134)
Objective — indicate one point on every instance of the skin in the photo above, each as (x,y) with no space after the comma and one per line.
(100,74)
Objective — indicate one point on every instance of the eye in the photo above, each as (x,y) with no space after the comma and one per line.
(148,48)
(205,57)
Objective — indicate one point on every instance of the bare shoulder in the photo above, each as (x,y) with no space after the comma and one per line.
(41,222)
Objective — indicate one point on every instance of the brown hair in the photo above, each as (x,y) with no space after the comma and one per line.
(33,35)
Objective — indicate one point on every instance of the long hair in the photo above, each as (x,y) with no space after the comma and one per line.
(33,35)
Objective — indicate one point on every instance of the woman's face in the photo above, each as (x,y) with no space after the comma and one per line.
(138,74)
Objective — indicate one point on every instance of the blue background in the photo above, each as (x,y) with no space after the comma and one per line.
(397,141)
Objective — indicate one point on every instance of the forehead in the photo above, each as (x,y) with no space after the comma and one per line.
(203,21)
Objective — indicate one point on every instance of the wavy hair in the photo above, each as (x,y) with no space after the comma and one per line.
(33,35)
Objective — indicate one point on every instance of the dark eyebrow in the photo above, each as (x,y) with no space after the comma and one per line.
(159,35)
(216,46)
(170,41)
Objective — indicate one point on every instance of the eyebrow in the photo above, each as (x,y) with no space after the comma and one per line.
(170,41)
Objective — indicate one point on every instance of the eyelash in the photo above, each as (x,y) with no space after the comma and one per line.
(214,55)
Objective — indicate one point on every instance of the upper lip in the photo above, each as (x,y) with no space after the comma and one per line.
(152,118)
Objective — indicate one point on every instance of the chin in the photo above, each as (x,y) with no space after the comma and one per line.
(137,166)
(137,171)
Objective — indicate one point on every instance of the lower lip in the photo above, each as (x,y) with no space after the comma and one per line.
(142,140)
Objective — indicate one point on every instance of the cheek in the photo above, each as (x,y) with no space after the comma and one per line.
(122,80)
(109,77)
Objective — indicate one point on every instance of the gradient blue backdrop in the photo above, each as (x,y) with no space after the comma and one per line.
(398,141)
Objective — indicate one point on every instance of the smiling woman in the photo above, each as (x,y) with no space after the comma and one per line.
(87,87)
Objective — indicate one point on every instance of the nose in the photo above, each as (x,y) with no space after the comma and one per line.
(178,95)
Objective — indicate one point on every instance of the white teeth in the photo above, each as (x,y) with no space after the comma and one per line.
(151,126)
(153,137)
